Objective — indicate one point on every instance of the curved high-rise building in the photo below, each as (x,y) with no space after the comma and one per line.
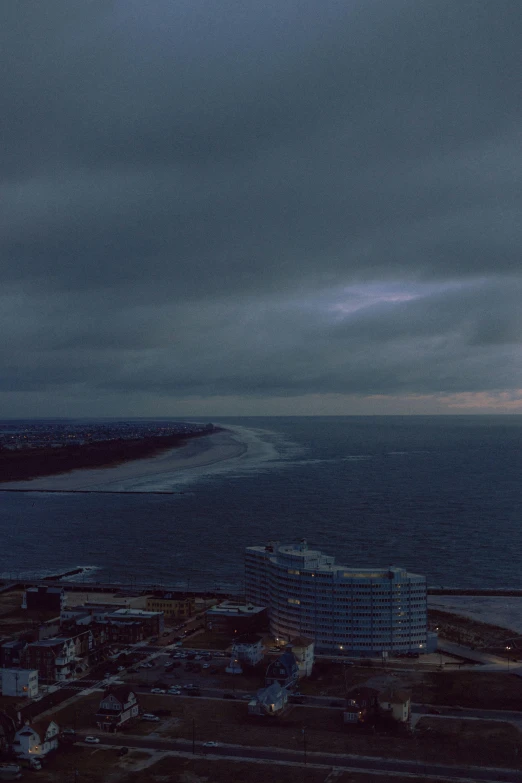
(343,609)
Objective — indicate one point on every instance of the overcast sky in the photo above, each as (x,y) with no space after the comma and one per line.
(275,207)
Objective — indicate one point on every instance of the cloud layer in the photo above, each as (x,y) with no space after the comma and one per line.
(208,202)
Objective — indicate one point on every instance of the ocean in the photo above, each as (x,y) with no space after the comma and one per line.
(438,495)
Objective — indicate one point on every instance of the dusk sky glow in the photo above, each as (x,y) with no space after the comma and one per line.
(260,209)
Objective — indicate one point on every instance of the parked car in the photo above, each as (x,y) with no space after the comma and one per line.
(210,744)
(157,690)
(91,740)
(206,666)
(68,733)
(123,751)
(148,716)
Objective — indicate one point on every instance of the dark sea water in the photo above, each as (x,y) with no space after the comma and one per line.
(438,495)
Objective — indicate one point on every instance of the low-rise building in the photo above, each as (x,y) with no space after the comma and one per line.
(44,599)
(283,670)
(395,705)
(303,649)
(270,701)
(153,622)
(232,618)
(175,606)
(116,708)
(248,649)
(19,682)
(36,741)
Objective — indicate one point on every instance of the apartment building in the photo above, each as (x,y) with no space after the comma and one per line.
(343,610)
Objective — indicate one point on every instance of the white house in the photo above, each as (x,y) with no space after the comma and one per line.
(303,649)
(116,708)
(397,704)
(36,741)
(19,682)
(248,649)
(269,701)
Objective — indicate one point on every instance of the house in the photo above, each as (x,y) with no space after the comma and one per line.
(116,708)
(269,701)
(44,599)
(361,705)
(175,606)
(303,649)
(36,741)
(396,705)
(19,682)
(248,649)
(53,658)
(283,670)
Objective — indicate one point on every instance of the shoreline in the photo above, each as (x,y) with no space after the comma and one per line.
(198,452)
(28,465)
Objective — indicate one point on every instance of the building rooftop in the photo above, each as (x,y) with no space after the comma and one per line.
(44,589)
(230,608)
(301,641)
(51,642)
(247,638)
(133,613)
(301,558)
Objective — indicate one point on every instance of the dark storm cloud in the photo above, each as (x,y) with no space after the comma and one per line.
(191,192)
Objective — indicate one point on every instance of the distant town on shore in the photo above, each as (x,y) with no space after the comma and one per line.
(30,449)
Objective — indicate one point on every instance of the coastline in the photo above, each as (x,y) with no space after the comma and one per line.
(199,452)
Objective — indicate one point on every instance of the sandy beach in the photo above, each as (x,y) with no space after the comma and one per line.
(129,476)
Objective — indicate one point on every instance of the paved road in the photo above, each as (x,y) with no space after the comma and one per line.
(454,772)
(467,712)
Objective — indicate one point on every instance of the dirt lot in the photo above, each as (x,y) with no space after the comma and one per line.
(487,690)
(88,765)
(470,742)
(181,770)
(96,765)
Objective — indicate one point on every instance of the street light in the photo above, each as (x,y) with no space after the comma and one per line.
(508,648)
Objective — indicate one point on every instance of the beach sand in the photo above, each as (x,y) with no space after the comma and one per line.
(195,453)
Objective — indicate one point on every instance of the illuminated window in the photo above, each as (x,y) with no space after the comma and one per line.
(293,571)
(294,601)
